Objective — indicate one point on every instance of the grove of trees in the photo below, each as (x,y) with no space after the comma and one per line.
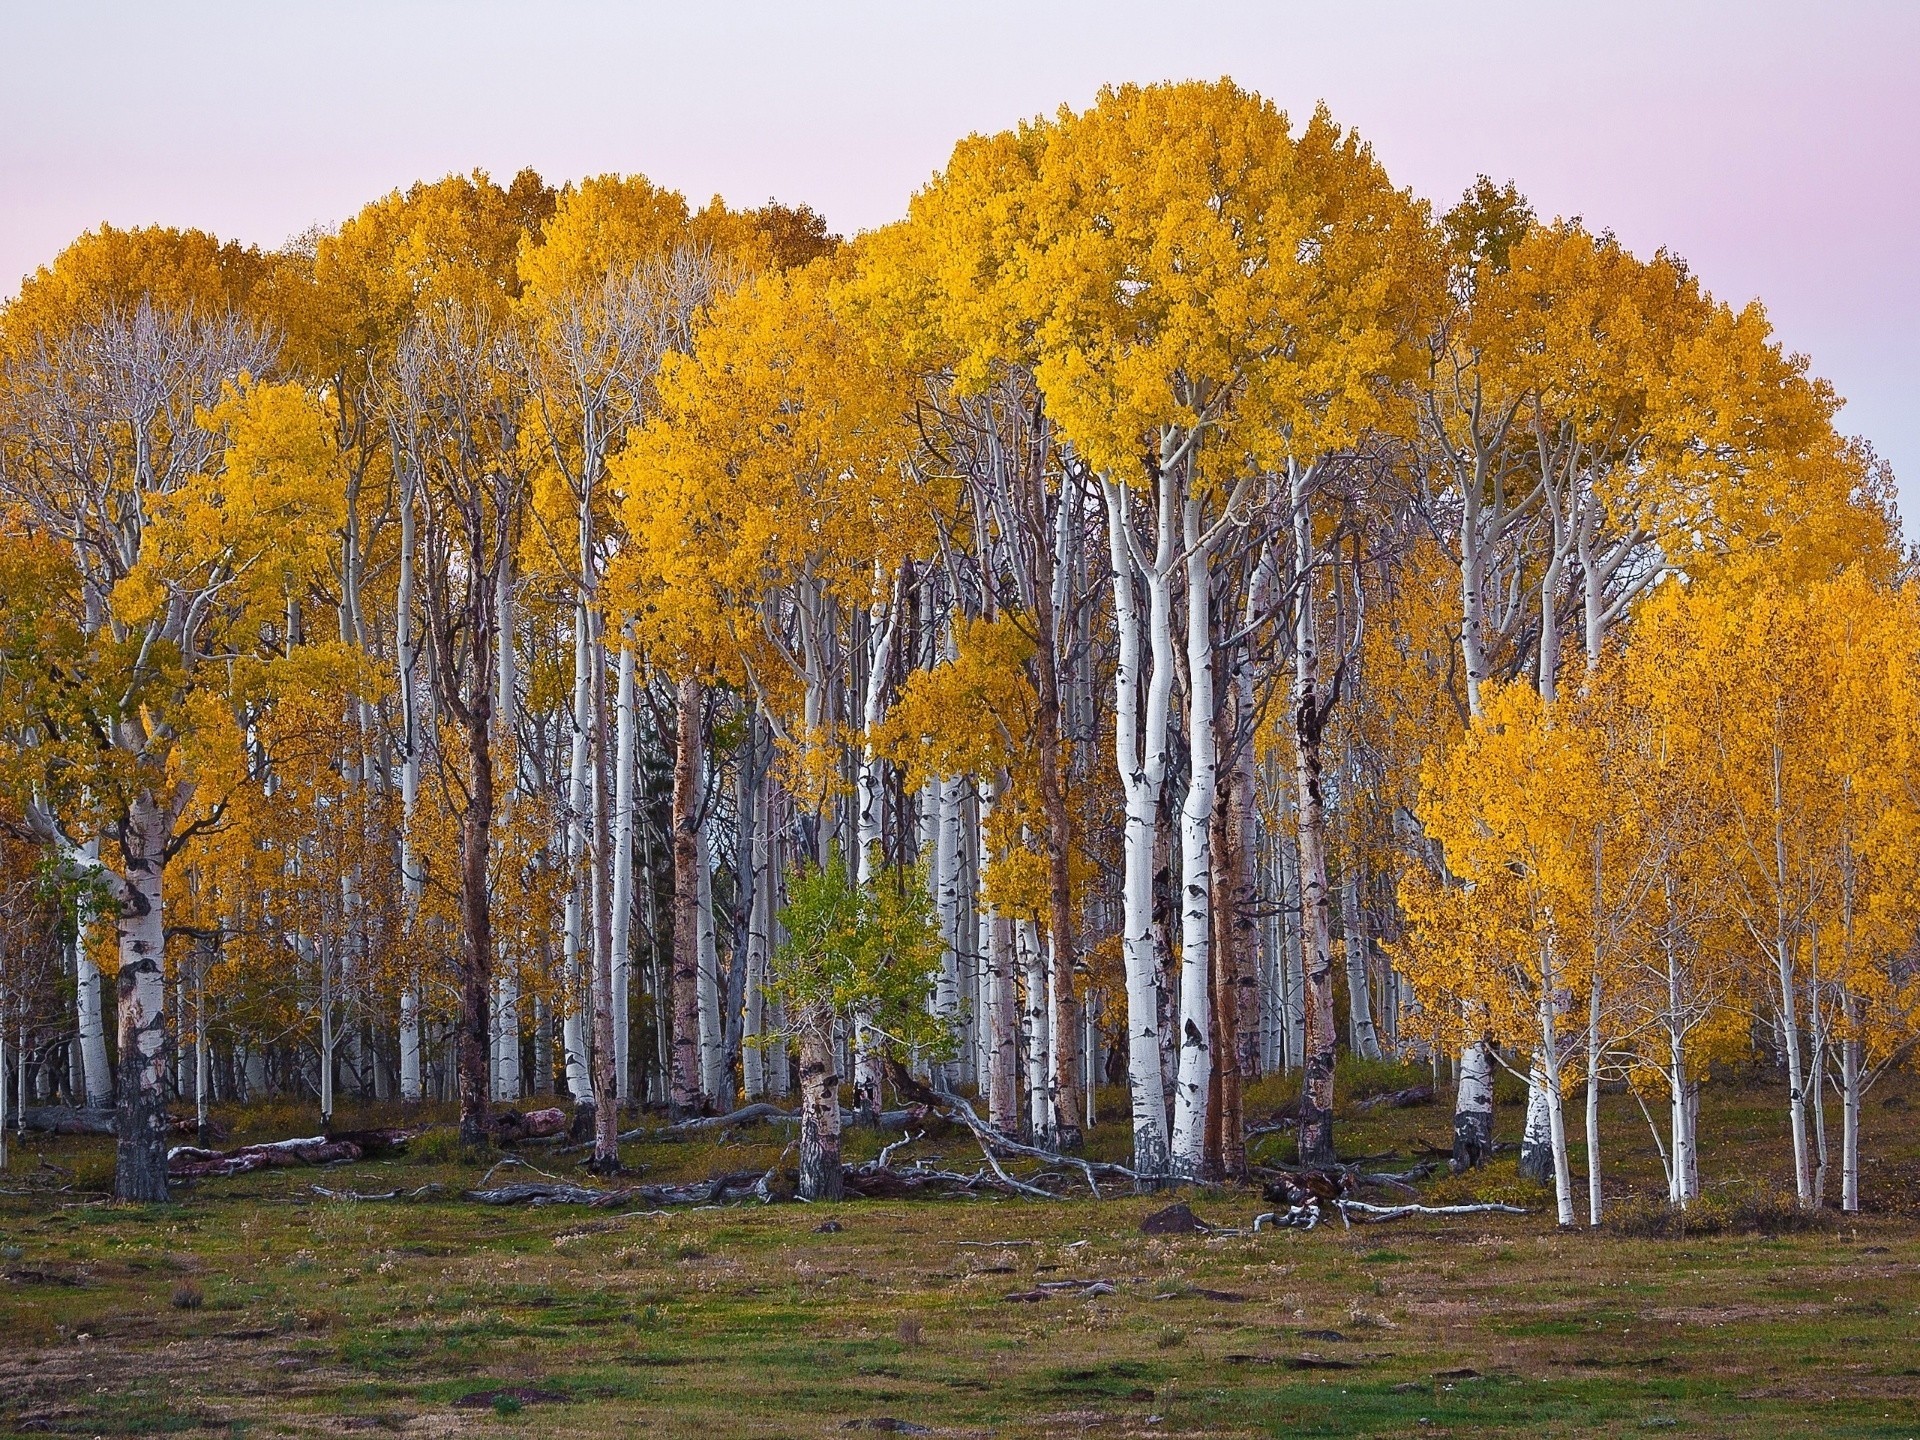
(1170,608)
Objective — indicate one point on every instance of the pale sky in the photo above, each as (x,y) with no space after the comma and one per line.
(1776,146)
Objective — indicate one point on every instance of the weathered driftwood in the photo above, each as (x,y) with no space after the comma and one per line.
(990,1140)
(1367,1214)
(1309,1214)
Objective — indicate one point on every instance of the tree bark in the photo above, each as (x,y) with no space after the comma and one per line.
(606,1116)
(476,975)
(684,1095)
(1141,756)
(96,1074)
(1194,1072)
(140,1172)
(820,1175)
(1309,718)
(1473,1108)
(621,920)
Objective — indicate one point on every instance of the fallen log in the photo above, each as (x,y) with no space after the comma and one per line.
(190,1162)
(325,1194)
(1398,1099)
(762,1113)
(737,1185)
(65,1120)
(1376,1214)
(990,1140)
(1305,1188)
(375,1144)
(1308,1214)
(511,1125)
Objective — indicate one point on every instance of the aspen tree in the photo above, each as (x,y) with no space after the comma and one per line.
(108,443)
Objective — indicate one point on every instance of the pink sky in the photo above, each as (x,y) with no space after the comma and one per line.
(1775,145)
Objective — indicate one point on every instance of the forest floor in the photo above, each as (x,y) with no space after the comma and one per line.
(253,1306)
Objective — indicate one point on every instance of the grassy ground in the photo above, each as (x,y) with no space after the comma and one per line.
(253,1307)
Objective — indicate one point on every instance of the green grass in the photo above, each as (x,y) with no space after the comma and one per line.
(441,1317)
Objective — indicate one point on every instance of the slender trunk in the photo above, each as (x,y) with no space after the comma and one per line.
(96,1073)
(1472,602)
(625,744)
(684,1097)
(1194,1072)
(715,1084)
(753,1056)
(953,920)
(1595,1200)
(1796,1075)
(1039,1031)
(1141,759)
(1003,1025)
(1293,1019)
(1234,939)
(324,954)
(202,1072)
(1001,1079)
(1067,1021)
(1682,1184)
(1309,718)
(1363,1037)
(575,944)
(1850,1068)
(606,1132)
(476,833)
(412,880)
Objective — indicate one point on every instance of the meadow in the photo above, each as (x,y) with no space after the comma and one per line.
(257,1306)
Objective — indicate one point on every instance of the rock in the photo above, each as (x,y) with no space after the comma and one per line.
(1174,1220)
(1318,1362)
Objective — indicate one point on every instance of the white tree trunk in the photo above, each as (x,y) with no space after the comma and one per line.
(140,1172)
(1473,1107)
(1789,1022)
(1193,1074)
(1536,1132)
(625,744)
(753,1056)
(1003,1021)
(1033,956)
(413,880)
(574,958)
(1364,1038)
(953,917)
(1595,1200)
(96,1074)
(1850,1068)
(1141,757)
(714,1082)
(507,1038)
